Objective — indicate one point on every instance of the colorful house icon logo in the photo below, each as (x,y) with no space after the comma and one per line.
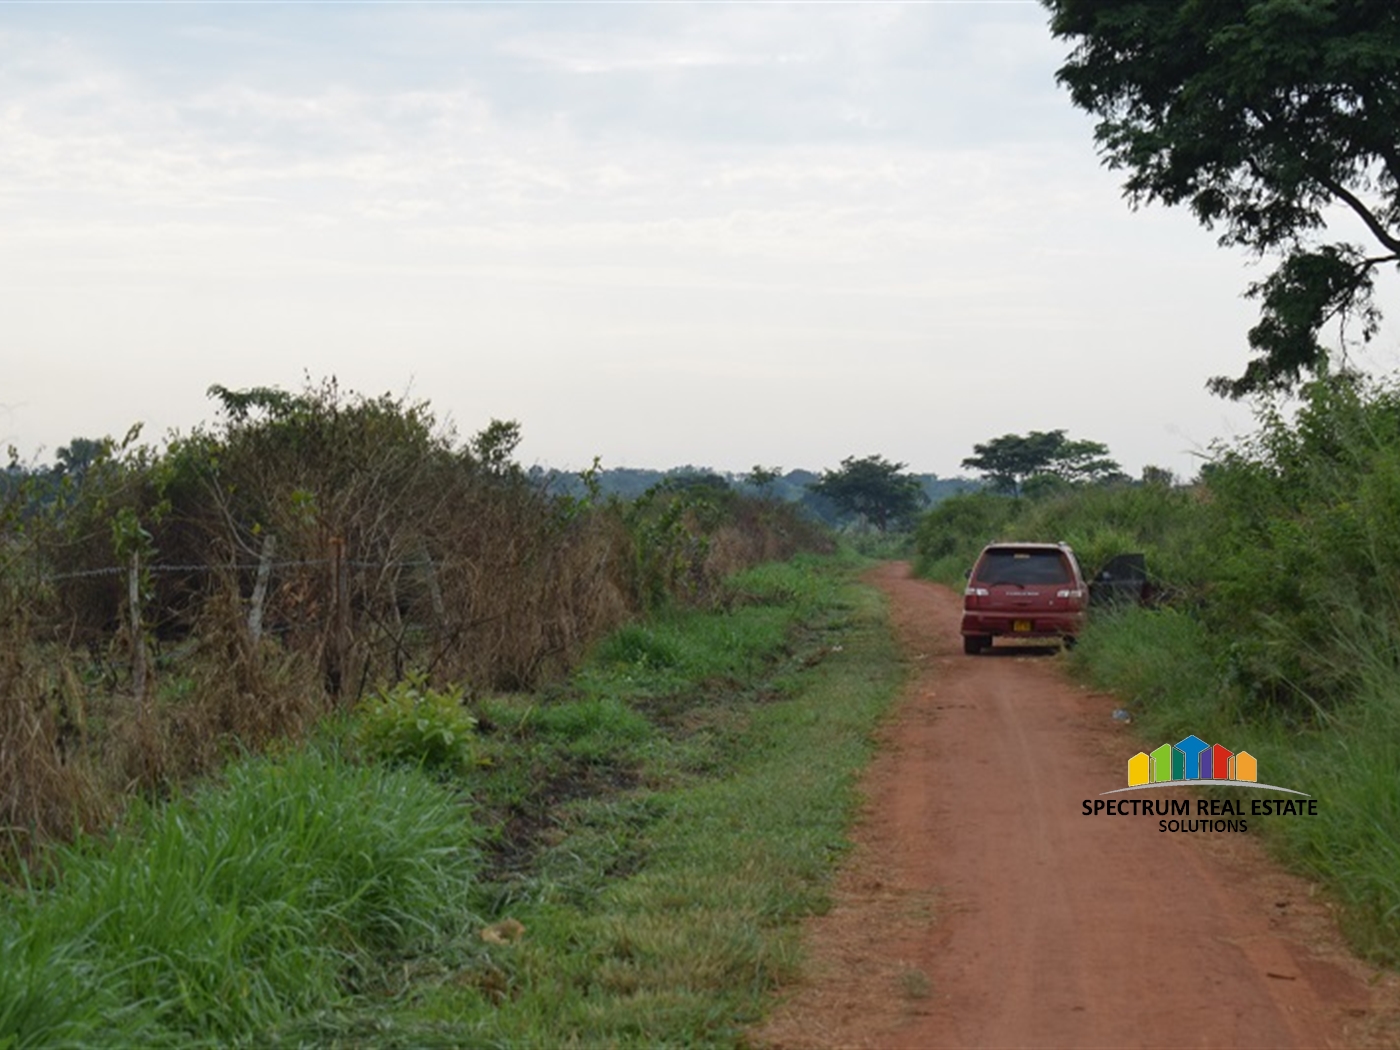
(1192,759)
(1194,763)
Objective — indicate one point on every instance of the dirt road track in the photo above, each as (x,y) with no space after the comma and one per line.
(981,908)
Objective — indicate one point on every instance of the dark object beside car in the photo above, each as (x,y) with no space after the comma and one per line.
(1123,581)
(1023,590)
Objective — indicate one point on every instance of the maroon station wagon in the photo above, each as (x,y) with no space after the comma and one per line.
(1023,590)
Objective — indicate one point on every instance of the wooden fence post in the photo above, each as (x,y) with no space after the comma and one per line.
(337,650)
(255,613)
(434,589)
(138,639)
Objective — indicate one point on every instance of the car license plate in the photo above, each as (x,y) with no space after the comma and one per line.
(1020,625)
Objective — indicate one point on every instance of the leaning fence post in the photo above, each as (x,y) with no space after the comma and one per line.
(138,640)
(255,613)
(434,589)
(339,642)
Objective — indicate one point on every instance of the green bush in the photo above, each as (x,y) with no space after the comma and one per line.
(1098,521)
(1304,518)
(949,536)
(414,724)
(1282,626)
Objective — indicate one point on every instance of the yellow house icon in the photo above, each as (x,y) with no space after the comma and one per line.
(1139,770)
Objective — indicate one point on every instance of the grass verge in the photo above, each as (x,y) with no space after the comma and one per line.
(217,919)
(1160,662)
(618,861)
(660,908)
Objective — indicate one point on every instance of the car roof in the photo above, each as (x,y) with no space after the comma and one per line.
(1012,544)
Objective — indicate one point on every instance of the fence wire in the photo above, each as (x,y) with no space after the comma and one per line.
(117,570)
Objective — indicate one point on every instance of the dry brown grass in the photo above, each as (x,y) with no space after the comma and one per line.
(48,785)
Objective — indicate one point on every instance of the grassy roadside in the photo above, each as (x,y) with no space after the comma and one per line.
(1162,665)
(663,912)
(619,861)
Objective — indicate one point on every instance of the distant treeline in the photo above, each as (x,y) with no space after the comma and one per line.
(791,487)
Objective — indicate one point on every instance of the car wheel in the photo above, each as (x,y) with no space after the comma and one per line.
(975,643)
(1069,641)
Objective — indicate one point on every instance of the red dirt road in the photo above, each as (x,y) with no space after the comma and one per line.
(982,908)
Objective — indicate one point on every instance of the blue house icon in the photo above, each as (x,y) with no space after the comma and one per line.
(1192,747)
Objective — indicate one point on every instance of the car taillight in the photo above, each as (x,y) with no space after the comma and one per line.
(976,592)
(1074,594)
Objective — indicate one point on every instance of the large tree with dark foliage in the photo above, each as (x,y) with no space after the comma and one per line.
(1007,461)
(1259,115)
(873,487)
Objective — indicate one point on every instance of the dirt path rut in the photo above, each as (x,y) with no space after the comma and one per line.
(982,908)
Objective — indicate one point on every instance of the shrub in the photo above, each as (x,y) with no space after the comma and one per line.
(949,536)
(414,724)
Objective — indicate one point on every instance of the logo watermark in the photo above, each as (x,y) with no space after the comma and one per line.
(1194,763)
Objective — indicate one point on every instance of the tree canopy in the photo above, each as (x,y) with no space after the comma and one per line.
(1258,115)
(1007,462)
(873,487)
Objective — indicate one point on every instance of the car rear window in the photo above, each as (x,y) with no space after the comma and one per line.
(1019,566)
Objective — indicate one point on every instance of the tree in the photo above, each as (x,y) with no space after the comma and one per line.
(75,458)
(1158,477)
(763,478)
(1007,462)
(874,488)
(1083,462)
(494,446)
(1258,115)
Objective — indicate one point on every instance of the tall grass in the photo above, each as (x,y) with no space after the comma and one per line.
(219,918)
(1097,521)
(1172,678)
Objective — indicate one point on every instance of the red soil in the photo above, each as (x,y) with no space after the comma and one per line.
(982,908)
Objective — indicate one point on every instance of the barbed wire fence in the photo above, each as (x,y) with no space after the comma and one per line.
(119,570)
(337,624)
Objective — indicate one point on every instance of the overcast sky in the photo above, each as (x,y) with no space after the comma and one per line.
(717,234)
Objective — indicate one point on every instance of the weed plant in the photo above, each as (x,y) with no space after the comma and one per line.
(414,724)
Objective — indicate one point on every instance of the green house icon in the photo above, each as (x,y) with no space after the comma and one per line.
(1167,763)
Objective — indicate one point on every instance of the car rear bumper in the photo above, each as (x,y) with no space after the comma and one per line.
(1027,624)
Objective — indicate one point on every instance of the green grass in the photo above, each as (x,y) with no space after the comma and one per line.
(216,919)
(657,825)
(717,866)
